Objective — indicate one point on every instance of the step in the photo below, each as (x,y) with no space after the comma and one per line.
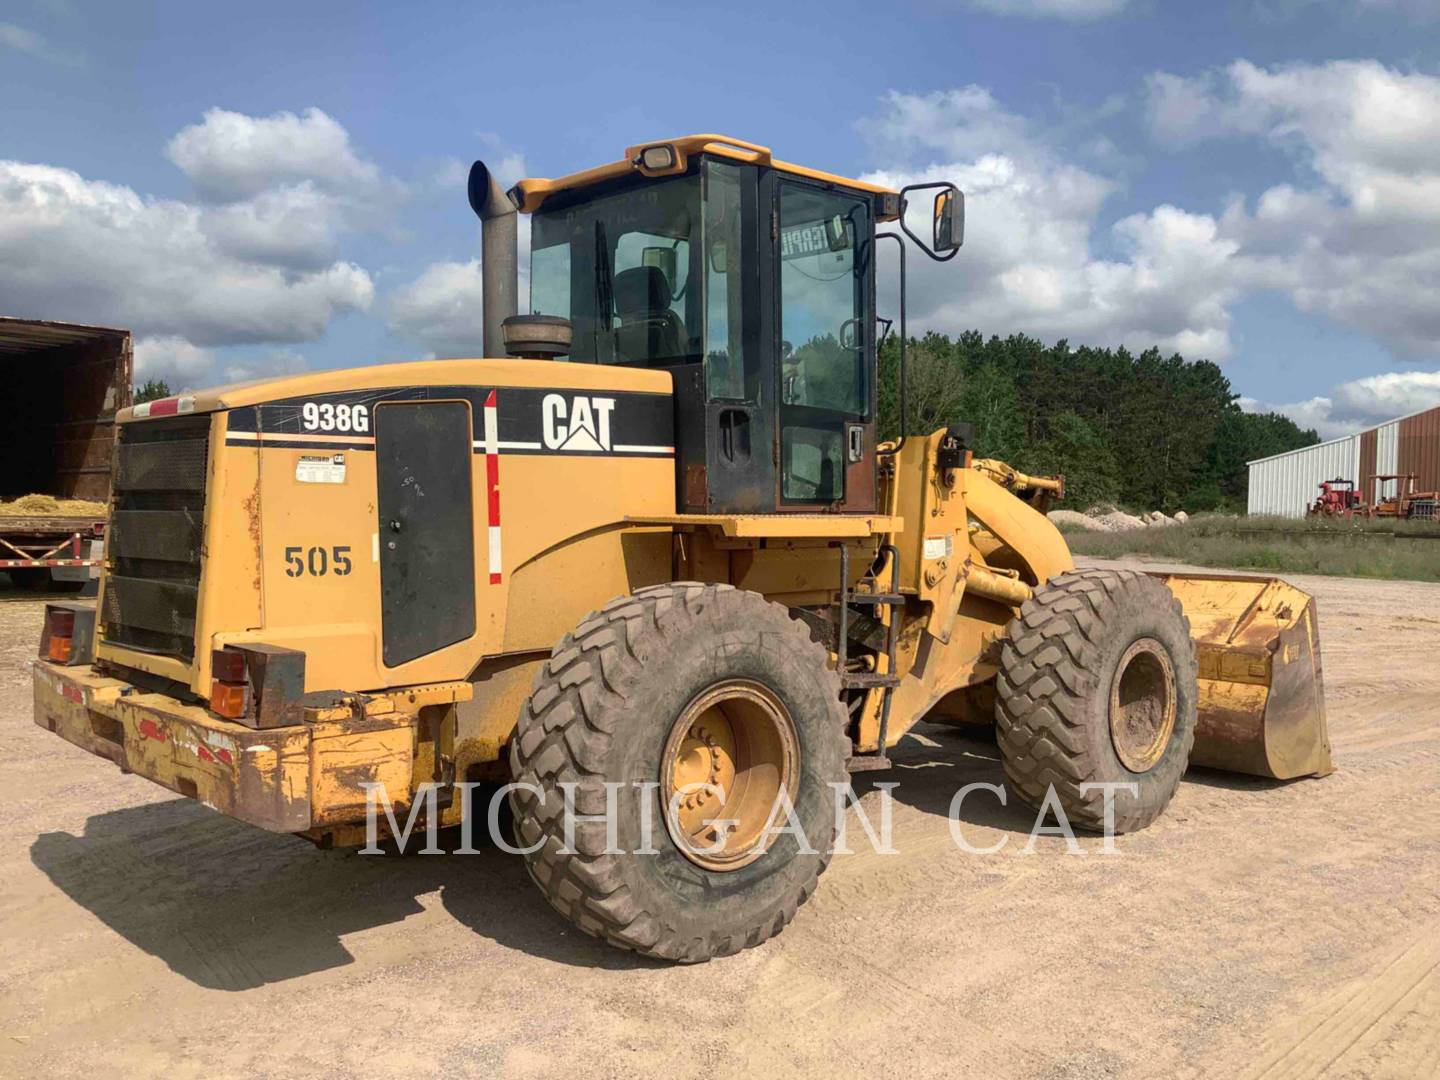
(867,763)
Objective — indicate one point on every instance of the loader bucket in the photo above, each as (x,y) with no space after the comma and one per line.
(1261,700)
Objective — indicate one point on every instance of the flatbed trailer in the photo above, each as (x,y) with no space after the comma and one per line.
(64,384)
(49,541)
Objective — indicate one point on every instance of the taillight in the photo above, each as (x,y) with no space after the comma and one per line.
(230,688)
(228,664)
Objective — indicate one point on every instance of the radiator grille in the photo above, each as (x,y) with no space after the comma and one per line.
(153,542)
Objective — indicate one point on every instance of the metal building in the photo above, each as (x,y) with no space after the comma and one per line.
(1286,484)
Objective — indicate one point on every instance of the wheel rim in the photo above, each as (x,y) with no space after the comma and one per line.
(1142,705)
(728,757)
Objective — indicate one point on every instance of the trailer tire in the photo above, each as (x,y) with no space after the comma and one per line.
(1097,686)
(30,578)
(609,706)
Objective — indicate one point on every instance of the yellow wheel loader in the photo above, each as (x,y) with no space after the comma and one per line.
(648,566)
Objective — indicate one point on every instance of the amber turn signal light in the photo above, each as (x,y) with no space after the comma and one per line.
(60,635)
(229,699)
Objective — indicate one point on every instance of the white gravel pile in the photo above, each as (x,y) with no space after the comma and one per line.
(1109,519)
(1076,520)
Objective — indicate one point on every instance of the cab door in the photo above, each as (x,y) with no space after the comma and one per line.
(824,343)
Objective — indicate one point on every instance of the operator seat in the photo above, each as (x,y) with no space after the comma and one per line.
(649,332)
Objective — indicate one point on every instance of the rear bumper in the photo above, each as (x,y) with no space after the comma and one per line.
(286,779)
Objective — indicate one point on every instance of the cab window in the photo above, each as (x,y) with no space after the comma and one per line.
(822,299)
(620,267)
(822,246)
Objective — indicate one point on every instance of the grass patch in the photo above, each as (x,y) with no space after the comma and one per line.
(1404,550)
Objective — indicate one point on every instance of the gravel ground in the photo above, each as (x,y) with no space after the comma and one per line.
(1283,929)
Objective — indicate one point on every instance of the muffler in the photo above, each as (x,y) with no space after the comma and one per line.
(499,260)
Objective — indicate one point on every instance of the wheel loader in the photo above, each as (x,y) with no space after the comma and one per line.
(648,564)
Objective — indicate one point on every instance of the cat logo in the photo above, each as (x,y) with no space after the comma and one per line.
(579,425)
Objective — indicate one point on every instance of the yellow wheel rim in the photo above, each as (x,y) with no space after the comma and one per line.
(729,755)
(1142,705)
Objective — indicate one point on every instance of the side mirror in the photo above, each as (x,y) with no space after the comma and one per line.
(663,259)
(837,236)
(949,220)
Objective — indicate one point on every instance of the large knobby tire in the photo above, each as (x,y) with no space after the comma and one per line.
(1097,685)
(604,708)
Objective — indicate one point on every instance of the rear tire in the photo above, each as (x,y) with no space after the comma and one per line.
(613,704)
(1097,685)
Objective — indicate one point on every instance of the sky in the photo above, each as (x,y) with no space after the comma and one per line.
(267,188)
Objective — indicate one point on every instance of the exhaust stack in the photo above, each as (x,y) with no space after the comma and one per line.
(499,261)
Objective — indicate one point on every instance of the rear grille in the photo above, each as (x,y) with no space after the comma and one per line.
(153,542)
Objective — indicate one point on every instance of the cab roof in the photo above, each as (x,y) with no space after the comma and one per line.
(528,195)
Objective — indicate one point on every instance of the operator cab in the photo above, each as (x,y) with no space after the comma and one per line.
(753,282)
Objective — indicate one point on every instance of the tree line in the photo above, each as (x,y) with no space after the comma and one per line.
(1145,431)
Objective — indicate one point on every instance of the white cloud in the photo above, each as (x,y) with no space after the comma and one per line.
(255,261)
(231,156)
(294,226)
(1029,263)
(96,252)
(1360,403)
(441,309)
(172,358)
(1360,240)
(263,365)
(33,44)
(184,366)
(1075,10)
(281,189)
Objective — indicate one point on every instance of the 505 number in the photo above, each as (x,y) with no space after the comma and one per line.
(317,561)
(327,416)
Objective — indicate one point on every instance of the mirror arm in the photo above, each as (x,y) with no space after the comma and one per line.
(899,442)
(906,228)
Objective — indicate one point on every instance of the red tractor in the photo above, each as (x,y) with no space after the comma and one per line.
(1338,498)
(1395,496)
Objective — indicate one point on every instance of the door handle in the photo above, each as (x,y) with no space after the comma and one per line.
(734,428)
(856,434)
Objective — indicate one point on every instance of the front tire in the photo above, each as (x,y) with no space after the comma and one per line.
(663,692)
(1097,685)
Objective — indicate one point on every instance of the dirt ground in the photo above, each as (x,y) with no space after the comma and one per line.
(1260,928)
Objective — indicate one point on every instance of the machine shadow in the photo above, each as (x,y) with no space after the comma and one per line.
(1230,781)
(927,777)
(230,907)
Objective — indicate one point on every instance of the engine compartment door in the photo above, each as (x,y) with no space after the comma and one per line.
(426,526)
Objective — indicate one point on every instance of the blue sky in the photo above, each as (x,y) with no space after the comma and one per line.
(267,187)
